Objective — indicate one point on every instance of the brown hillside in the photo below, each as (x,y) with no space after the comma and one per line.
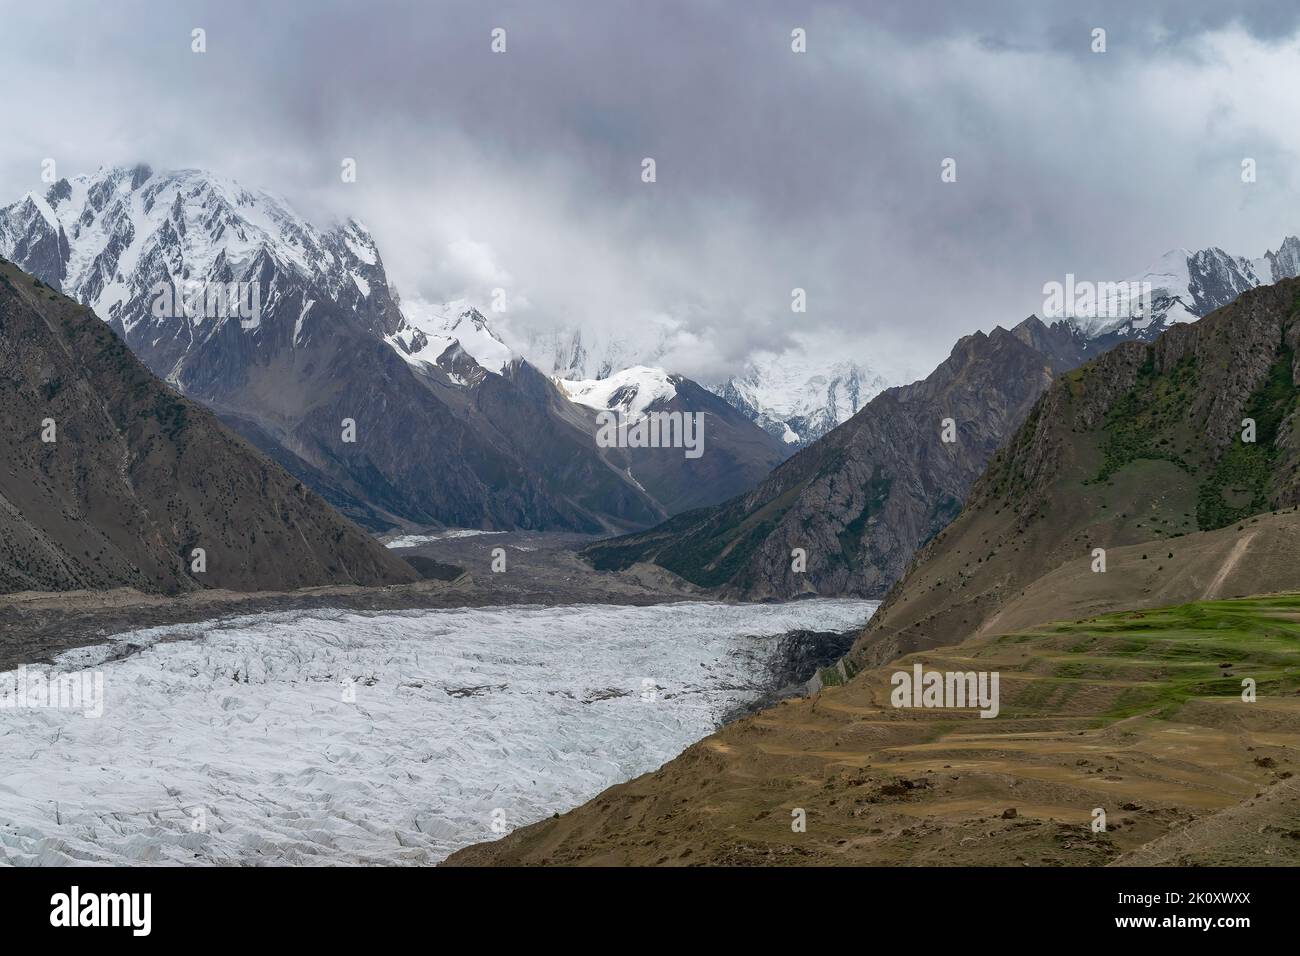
(138,476)
(1141,445)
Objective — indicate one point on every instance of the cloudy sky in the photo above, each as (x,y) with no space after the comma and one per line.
(775,169)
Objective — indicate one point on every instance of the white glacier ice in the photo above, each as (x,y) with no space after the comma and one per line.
(415,540)
(234,741)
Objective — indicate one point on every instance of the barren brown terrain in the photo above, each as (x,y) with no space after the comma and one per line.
(542,568)
(1138,715)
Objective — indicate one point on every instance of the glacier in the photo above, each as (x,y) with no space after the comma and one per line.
(346,737)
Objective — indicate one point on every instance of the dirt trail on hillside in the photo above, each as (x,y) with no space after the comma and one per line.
(1205,565)
(1229,564)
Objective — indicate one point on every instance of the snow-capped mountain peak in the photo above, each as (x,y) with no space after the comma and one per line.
(632,392)
(113,238)
(1182,286)
(430,330)
(451,427)
(798,398)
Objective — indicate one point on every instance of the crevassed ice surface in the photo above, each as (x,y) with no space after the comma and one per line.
(415,540)
(463,720)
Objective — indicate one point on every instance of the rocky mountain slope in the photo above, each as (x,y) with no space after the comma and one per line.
(733,453)
(1145,444)
(426,421)
(110,479)
(860,501)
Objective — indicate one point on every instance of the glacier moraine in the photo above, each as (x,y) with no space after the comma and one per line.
(395,737)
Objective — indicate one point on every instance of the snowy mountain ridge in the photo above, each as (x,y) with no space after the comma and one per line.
(577,355)
(799,399)
(109,239)
(114,235)
(113,238)
(428,332)
(795,396)
(632,392)
(1185,286)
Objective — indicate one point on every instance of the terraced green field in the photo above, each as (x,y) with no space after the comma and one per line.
(1168,656)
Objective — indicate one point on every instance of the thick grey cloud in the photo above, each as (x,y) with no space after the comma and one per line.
(775,169)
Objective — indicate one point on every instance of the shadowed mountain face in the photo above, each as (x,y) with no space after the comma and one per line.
(860,501)
(1130,454)
(389,422)
(490,451)
(110,479)
(735,454)
(732,454)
